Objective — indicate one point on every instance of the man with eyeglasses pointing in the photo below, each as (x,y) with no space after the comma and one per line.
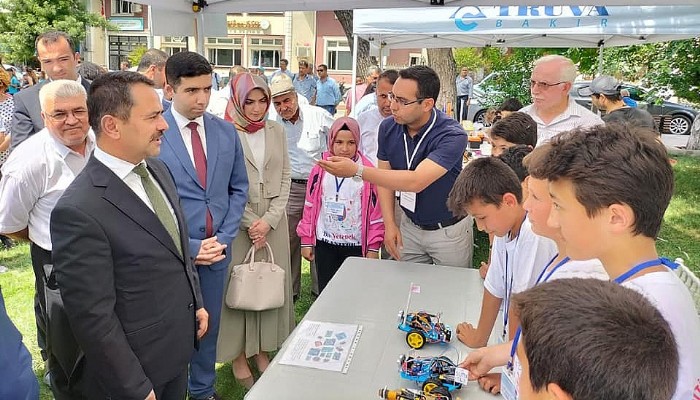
(419,158)
(552,107)
(33,179)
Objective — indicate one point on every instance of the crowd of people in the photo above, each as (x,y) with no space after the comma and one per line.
(138,202)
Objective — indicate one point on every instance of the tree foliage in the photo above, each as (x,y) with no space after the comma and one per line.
(24,20)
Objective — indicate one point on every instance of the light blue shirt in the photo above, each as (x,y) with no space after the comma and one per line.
(314,122)
(464,86)
(327,92)
(306,86)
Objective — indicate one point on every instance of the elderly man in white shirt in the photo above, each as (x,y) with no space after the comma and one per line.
(306,127)
(552,108)
(33,179)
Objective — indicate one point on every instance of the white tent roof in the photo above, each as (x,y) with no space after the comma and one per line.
(557,26)
(237,6)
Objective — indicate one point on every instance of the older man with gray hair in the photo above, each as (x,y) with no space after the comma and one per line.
(552,108)
(353,96)
(33,179)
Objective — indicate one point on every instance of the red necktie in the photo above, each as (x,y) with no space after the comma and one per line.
(200,164)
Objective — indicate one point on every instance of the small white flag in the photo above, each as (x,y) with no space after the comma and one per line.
(415,288)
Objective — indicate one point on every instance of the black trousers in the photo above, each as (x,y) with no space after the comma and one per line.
(462,109)
(329,257)
(60,349)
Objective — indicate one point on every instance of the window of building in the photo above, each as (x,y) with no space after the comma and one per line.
(122,7)
(225,52)
(266,52)
(415,59)
(121,46)
(338,55)
(174,44)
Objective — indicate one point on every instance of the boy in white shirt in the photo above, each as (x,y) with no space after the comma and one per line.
(610,187)
(490,191)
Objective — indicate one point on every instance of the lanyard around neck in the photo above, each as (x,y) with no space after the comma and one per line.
(337,186)
(509,289)
(645,265)
(409,161)
(556,267)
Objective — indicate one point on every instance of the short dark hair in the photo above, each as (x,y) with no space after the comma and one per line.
(614,164)
(510,104)
(516,128)
(513,157)
(596,340)
(426,78)
(89,70)
(485,179)
(284,60)
(304,63)
(324,66)
(390,75)
(152,57)
(185,64)
(534,161)
(53,36)
(110,94)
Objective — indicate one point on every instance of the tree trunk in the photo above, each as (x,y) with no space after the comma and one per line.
(363,59)
(443,62)
(694,139)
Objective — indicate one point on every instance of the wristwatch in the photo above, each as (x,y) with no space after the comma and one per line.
(358,175)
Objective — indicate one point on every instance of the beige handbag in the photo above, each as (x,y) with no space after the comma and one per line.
(256,285)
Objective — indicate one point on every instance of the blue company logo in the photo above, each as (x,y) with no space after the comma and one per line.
(467,22)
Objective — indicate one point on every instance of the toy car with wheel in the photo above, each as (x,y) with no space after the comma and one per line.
(439,393)
(429,372)
(422,327)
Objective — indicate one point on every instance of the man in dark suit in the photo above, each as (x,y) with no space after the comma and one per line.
(122,259)
(59,60)
(205,158)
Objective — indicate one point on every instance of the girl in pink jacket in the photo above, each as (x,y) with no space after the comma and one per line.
(341,216)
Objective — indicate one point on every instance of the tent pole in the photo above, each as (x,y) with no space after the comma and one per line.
(199,32)
(600,58)
(351,98)
(381,54)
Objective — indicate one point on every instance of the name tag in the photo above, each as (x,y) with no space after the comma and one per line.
(335,208)
(408,201)
(509,389)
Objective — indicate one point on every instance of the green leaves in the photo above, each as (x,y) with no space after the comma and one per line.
(24,20)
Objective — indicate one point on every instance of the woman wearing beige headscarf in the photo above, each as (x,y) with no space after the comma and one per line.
(250,334)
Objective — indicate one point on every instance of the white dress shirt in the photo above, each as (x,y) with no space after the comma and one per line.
(124,170)
(34,177)
(186,132)
(575,116)
(369,132)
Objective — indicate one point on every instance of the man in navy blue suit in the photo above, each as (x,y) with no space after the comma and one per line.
(205,158)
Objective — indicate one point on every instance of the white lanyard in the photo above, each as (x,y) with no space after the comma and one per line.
(409,161)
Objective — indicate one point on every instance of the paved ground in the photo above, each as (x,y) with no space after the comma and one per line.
(678,141)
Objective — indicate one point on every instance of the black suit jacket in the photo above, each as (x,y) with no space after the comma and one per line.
(26,119)
(129,295)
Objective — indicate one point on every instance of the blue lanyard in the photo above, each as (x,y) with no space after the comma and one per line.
(509,289)
(337,186)
(620,279)
(539,280)
(514,346)
(556,267)
(647,264)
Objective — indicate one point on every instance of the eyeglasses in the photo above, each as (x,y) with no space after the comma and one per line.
(61,116)
(543,85)
(404,102)
(320,70)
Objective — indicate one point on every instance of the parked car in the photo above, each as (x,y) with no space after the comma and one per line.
(480,93)
(679,117)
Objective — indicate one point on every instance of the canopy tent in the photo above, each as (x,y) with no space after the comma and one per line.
(504,26)
(238,6)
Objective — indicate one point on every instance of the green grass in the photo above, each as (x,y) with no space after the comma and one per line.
(680,237)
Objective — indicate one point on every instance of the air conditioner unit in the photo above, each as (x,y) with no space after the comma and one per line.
(303,52)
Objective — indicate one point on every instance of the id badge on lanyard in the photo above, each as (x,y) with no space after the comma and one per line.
(407,200)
